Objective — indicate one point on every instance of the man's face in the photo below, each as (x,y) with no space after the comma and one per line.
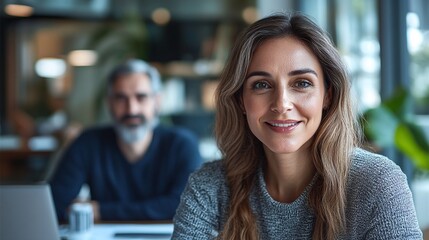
(132,102)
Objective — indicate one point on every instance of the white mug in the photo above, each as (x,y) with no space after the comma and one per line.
(81,220)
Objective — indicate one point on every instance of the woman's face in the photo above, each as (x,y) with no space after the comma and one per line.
(283,95)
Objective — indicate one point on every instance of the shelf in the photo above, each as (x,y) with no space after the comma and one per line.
(201,69)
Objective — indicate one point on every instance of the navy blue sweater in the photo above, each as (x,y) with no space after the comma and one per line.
(148,189)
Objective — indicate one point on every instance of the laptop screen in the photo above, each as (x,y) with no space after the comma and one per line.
(27,212)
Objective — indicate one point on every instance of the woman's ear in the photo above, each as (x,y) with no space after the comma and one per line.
(243,109)
(328,98)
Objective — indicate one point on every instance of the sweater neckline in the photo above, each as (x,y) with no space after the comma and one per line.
(303,197)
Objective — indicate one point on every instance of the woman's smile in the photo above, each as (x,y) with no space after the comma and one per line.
(283,126)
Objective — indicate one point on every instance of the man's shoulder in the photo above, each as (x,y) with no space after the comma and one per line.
(175,132)
(95,133)
(92,143)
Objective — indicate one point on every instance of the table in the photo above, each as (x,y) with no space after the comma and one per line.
(123,231)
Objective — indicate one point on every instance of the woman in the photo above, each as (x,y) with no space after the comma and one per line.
(291,166)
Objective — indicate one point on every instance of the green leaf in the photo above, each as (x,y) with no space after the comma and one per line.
(408,144)
(380,125)
(418,135)
(391,124)
(400,103)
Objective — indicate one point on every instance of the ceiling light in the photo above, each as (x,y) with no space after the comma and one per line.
(161,16)
(250,15)
(18,10)
(82,58)
(50,67)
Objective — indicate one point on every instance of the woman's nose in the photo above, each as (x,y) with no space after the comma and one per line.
(281,102)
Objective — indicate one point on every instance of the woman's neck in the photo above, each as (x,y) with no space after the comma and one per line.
(287,176)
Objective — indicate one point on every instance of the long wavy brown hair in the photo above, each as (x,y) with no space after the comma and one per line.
(333,142)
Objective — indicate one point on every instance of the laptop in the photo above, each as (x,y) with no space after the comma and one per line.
(27,212)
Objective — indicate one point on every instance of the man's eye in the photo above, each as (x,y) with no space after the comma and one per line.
(141,97)
(119,98)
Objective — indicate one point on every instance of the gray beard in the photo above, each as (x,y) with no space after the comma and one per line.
(133,134)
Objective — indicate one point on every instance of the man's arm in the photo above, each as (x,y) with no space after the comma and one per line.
(67,180)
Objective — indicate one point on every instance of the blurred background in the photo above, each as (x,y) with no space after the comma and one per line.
(55,55)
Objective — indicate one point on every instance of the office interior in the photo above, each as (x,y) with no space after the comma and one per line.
(55,56)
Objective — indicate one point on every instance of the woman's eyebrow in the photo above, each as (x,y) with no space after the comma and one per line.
(302,71)
(257,73)
(291,73)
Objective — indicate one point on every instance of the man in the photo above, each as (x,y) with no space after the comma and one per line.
(135,169)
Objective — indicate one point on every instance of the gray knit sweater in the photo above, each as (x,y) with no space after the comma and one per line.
(379,205)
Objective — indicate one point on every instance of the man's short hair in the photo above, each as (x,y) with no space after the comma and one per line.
(136,66)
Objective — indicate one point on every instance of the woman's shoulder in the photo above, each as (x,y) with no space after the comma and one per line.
(210,173)
(379,201)
(208,185)
(364,161)
(370,170)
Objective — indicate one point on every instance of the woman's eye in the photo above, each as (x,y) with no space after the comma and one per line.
(260,85)
(302,84)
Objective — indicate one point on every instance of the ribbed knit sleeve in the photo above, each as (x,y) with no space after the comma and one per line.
(380,203)
(199,213)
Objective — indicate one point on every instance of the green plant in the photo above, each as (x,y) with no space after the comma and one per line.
(392,123)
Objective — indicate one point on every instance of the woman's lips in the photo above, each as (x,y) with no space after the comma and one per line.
(283,126)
